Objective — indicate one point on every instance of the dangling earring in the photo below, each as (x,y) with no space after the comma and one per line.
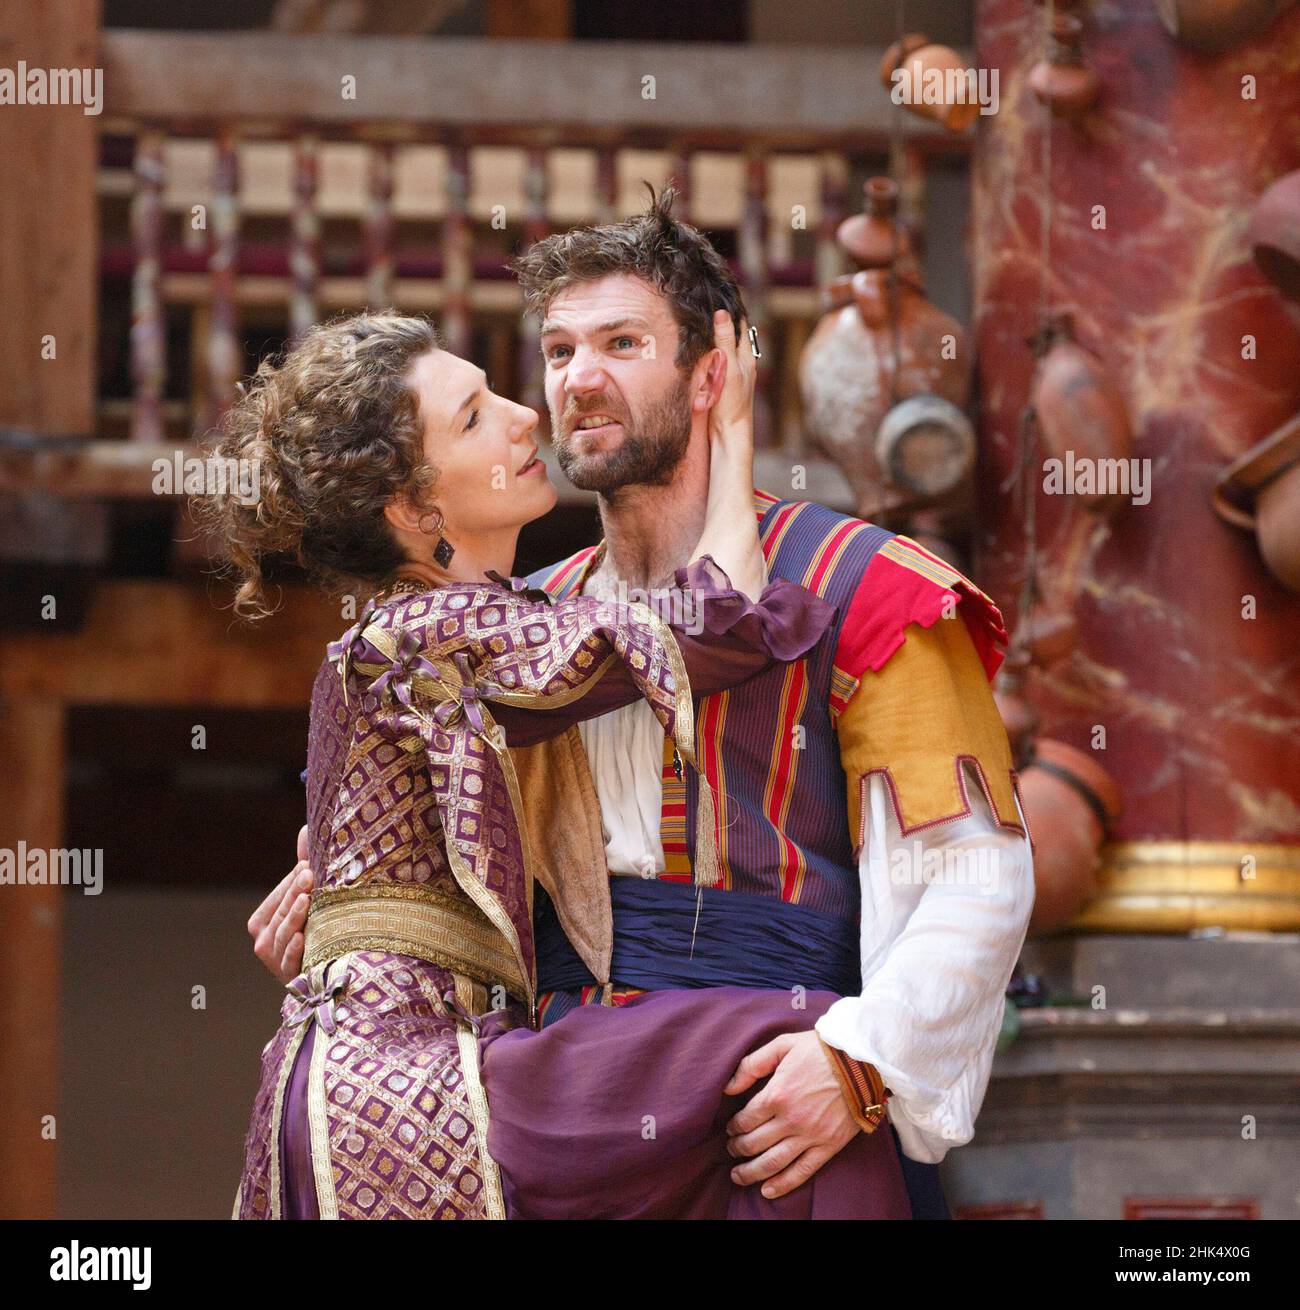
(443,550)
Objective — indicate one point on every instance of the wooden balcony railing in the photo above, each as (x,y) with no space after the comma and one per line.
(251,184)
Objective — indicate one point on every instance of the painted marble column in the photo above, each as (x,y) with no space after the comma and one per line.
(1189,652)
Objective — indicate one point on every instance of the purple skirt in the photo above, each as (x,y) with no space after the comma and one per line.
(617,1112)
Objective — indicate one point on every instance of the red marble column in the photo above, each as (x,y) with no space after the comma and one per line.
(1200,705)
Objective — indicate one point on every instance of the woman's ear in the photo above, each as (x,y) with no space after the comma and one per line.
(404,515)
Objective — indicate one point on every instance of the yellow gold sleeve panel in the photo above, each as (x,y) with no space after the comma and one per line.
(914,721)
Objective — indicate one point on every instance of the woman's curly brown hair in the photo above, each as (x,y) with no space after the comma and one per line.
(337,433)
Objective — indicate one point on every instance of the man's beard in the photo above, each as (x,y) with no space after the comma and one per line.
(648,455)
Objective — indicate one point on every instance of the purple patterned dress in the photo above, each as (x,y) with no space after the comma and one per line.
(371,1103)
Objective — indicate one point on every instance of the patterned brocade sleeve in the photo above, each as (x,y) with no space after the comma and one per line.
(722,636)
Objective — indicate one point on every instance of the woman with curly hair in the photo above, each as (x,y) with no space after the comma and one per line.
(387,465)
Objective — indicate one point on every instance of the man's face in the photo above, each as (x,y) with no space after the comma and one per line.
(620,406)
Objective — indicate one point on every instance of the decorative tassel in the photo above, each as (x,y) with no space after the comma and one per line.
(708,860)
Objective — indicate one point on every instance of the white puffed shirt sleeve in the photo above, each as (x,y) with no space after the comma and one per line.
(944,915)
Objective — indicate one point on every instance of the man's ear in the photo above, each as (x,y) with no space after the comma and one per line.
(713,377)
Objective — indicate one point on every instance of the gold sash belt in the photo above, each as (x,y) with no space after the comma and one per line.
(410,920)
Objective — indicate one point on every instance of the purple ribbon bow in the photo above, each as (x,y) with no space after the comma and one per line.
(318,1001)
(350,645)
(460,1013)
(469,700)
(406,665)
(521,587)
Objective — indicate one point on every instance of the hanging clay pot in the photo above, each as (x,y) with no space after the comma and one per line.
(922,77)
(1062,81)
(872,239)
(1019,717)
(1277,525)
(875,238)
(1019,713)
(1274,234)
(1211,26)
(1048,636)
(1260,490)
(1070,802)
(937,528)
(931,529)
(850,377)
(926,446)
(1081,414)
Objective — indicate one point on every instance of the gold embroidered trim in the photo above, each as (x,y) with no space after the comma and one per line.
(277,1111)
(493,1199)
(522,980)
(484,899)
(526,854)
(327,1201)
(410,920)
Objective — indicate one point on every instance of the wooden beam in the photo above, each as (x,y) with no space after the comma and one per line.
(389,16)
(31,812)
(567,91)
(163,643)
(528,20)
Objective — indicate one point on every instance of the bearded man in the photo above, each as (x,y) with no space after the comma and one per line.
(851,944)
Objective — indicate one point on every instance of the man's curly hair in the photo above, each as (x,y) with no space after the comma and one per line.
(674,257)
(337,433)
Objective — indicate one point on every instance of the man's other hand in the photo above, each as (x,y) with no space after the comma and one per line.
(278,923)
(796,1123)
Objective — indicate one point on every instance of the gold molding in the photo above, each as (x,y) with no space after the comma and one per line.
(1179,886)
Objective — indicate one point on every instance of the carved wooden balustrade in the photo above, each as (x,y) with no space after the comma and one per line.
(252,184)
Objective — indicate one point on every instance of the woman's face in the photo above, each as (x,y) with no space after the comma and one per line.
(490,474)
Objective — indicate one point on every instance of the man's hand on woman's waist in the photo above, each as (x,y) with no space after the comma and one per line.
(796,1123)
(278,925)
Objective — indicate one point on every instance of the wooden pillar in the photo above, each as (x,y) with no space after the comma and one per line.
(680,174)
(457,254)
(754,278)
(48,269)
(532,376)
(148,319)
(304,243)
(607,184)
(48,228)
(225,351)
(380,229)
(829,260)
(31,815)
